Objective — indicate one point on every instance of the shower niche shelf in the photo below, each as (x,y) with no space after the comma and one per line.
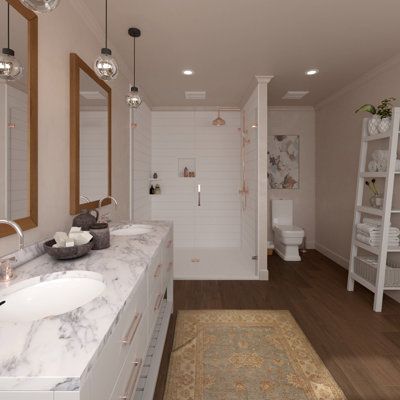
(188,165)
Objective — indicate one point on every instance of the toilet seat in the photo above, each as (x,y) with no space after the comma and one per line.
(290,231)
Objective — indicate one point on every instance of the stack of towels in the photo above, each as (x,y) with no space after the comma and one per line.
(379,162)
(370,232)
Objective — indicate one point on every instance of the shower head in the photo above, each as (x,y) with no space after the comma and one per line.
(218,121)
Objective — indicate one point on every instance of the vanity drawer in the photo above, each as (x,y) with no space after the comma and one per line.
(154,277)
(154,309)
(130,373)
(168,259)
(112,357)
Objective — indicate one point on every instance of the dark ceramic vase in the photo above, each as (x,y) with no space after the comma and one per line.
(85,219)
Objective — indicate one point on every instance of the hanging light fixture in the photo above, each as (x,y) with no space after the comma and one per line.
(10,67)
(41,6)
(133,98)
(219,121)
(105,66)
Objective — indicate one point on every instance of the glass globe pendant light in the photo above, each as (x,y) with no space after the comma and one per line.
(105,66)
(10,67)
(133,98)
(41,6)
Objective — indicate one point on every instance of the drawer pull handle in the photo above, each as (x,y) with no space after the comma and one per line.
(132,329)
(130,387)
(158,271)
(158,302)
(169,244)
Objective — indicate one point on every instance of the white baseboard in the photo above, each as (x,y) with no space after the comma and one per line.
(208,277)
(344,262)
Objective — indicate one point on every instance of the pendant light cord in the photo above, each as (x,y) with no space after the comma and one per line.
(134,62)
(106,22)
(8,25)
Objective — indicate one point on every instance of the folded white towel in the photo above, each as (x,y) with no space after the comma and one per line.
(374,242)
(375,229)
(368,228)
(372,221)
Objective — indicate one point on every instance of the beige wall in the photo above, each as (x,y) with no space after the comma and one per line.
(61,32)
(338,145)
(297,121)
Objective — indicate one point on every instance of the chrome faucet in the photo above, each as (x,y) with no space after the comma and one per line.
(106,217)
(6,271)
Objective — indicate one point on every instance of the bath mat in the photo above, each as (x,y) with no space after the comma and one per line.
(245,355)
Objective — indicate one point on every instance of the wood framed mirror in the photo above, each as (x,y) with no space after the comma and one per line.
(19,121)
(90,124)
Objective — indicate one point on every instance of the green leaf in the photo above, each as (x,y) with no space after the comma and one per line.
(367,108)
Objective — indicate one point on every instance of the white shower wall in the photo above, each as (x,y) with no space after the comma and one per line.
(209,234)
(140,163)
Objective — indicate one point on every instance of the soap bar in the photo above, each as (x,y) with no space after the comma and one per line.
(61,238)
(80,238)
(75,229)
(69,243)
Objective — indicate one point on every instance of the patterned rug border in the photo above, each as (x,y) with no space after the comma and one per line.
(319,379)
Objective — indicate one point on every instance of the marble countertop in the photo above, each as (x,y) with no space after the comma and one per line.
(56,353)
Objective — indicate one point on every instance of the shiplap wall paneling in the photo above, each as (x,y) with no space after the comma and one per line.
(141,163)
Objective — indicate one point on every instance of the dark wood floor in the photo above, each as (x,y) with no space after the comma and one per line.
(360,348)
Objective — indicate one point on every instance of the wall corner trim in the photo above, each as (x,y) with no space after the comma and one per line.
(291,108)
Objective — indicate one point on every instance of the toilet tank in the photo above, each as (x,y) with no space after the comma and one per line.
(282,212)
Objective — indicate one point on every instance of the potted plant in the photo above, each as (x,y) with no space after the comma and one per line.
(381,116)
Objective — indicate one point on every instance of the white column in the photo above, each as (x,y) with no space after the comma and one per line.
(262,240)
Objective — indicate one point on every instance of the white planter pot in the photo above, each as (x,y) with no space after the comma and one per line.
(373,124)
(384,125)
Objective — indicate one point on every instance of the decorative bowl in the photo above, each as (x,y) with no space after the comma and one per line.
(67,253)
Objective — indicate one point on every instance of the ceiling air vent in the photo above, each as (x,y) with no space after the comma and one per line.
(92,95)
(195,95)
(294,95)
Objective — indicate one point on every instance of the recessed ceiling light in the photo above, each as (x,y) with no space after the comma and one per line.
(188,72)
(312,71)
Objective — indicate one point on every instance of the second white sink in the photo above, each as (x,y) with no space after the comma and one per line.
(55,294)
(132,230)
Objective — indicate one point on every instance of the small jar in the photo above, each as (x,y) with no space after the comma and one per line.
(101,236)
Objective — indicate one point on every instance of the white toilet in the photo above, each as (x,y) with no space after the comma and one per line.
(287,237)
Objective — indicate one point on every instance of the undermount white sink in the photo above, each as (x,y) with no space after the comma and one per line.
(132,230)
(54,294)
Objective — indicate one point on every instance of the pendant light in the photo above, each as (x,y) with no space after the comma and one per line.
(133,98)
(105,66)
(10,67)
(41,6)
(219,121)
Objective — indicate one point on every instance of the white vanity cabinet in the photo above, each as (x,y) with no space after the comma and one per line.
(117,371)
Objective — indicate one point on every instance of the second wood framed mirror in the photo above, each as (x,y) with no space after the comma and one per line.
(90,143)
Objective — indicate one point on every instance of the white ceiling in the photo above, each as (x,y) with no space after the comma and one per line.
(228,42)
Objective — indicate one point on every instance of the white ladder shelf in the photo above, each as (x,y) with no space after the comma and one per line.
(385,213)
